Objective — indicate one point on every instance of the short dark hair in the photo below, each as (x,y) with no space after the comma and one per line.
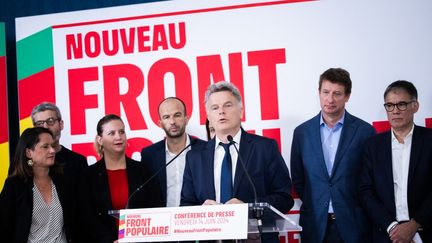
(405,85)
(173,98)
(338,76)
(28,140)
(208,131)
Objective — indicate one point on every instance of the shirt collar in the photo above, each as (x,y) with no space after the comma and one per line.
(166,144)
(341,120)
(394,139)
(236,139)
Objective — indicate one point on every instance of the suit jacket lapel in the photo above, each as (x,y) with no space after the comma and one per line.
(208,168)
(347,135)
(162,177)
(315,136)
(385,158)
(246,147)
(134,176)
(416,148)
(103,184)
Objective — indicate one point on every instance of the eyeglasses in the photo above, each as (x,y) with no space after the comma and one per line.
(50,121)
(401,105)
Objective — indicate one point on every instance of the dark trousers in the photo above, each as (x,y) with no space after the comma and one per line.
(332,233)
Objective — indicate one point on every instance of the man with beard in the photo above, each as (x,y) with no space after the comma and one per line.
(173,120)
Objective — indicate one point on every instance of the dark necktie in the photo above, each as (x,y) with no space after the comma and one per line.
(226,175)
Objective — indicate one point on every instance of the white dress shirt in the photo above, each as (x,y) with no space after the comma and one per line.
(401,154)
(400,163)
(218,158)
(174,173)
(330,137)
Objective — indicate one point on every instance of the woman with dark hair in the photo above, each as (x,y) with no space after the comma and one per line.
(209,130)
(109,183)
(33,204)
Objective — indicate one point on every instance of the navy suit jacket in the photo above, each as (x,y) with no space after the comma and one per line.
(315,187)
(264,163)
(377,186)
(95,199)
(154,157)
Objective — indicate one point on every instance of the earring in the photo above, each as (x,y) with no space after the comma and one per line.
(30,162)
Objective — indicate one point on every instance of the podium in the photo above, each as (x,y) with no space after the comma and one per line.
(212,222)
(272,220)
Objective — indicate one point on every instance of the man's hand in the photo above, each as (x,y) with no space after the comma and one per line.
(404,233)
(210,202)
(231,201)
(234,201)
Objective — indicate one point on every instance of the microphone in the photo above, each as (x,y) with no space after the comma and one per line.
(258,211)
(231,140)
(192,142)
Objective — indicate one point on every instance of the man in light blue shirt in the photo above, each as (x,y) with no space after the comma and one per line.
(329,140)
(325,165)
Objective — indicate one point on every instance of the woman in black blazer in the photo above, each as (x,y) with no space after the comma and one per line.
(109,183)
(34,203)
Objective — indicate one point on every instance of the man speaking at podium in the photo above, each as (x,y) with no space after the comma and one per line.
(213,176)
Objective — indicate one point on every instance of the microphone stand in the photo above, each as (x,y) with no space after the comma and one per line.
(192,142)
(257,210)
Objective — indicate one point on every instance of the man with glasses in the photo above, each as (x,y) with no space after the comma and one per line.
(325,164)
(396,182)
(48,115)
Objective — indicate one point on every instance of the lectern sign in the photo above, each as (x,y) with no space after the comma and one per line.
(184,223)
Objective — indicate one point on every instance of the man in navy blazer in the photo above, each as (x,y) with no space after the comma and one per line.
(326,163)
(202,177)
(173,120)
(396,182)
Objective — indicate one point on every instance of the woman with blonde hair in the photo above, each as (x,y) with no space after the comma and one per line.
(109,183)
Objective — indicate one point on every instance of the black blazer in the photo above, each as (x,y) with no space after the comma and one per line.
(95,199)
(376,184)
(16,209)
(154,157)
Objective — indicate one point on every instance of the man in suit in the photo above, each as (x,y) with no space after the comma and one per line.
(325,164)
(213,176)
(48,115)
(173,120)
(395,187)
